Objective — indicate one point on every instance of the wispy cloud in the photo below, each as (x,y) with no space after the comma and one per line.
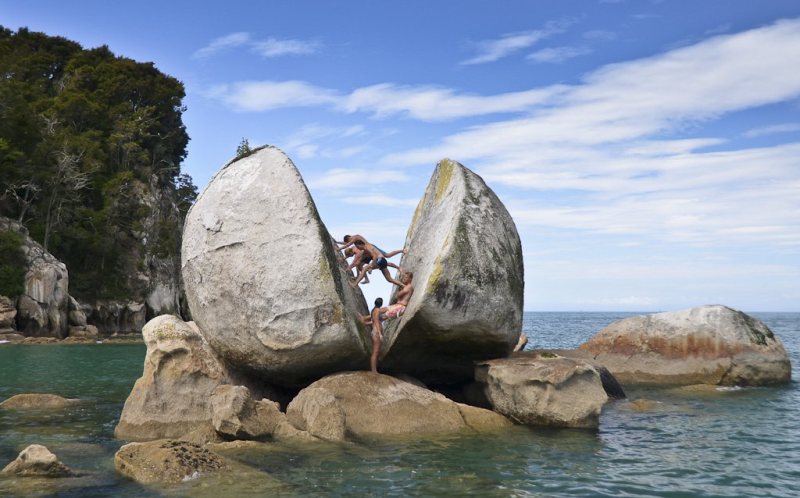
(343,178)
(222,43)
(493,50)
(269,95)
(381,200)
(772,130)
(271,47)
(558,54)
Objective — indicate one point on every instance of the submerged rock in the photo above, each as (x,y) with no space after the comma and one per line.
(167,461)
(703,345)
(37,402)
(544,389)
(357,405)
(173,395)
(466,256)
(36,461)
(263,279)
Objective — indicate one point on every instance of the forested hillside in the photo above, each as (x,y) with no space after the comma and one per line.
(91,146)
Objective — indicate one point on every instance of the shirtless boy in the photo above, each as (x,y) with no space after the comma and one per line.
(401,301)
(377,334)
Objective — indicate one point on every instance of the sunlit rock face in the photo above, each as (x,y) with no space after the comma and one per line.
(466,256)
(263,279)
(703,345)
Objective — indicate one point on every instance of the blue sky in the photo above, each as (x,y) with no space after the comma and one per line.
(648,151)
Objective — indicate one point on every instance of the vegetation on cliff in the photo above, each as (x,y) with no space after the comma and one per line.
(90,152)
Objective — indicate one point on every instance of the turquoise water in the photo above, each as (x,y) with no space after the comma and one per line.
(732,442)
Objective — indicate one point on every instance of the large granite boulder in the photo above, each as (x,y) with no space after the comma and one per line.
(359,405)
(263,279)
(704,345)
(43,307)
(466,256)
(173,395)
(544,389)
(36,461)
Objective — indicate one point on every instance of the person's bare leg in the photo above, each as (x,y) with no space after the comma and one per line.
(361,274)
(389,278)
(376,349)
(394,253)
(389,263)
(366,277)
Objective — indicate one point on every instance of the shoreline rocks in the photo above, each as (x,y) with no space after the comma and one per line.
(35,401)
(263,279)
(466,256)
(704,345)
(167,461)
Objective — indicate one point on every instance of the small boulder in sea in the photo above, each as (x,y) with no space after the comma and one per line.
(466,256)
(36,461)
(704,345)
(263,278)
(358,405)
(37,402)
(167,461)
(172,397)
(544,389)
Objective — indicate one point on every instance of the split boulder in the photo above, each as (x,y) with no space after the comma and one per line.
(263,279)
(466,256)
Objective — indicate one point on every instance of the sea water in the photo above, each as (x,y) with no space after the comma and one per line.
(717,442)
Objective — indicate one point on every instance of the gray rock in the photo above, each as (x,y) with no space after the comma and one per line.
(358,405)
(172,397)
(115,317)
(8,313)
(263,280)
(466,256)
(77,318)
(544,390)
(36,461)
(703,345)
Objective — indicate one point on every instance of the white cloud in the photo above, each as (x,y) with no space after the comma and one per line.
(354,178)
(771,130)
(269,95)
(558,54)
(492,50)
(273,47)
(224,42)
(600,35)
(380,200)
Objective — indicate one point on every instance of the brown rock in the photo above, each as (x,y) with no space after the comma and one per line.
(704,345)
(235,414)
(37,401)
(357,405)
(167,461)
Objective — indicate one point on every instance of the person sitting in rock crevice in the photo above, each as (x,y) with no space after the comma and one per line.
(398,307)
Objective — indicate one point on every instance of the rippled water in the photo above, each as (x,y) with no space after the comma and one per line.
(729,442)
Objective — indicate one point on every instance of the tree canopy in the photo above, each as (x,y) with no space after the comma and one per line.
(89,143)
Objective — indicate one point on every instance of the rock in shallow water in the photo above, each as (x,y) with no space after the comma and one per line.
(704,345)
(356,405)
(167,461)
(466,256)
(37,402)
(172,397)
(36,461)
(263,279)
(544,390)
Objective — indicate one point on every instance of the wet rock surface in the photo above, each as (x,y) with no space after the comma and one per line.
(36,461)
(167,461)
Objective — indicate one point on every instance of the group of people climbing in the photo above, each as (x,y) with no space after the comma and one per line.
(366,257)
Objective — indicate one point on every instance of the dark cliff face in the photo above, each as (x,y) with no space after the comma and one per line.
(91,145)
